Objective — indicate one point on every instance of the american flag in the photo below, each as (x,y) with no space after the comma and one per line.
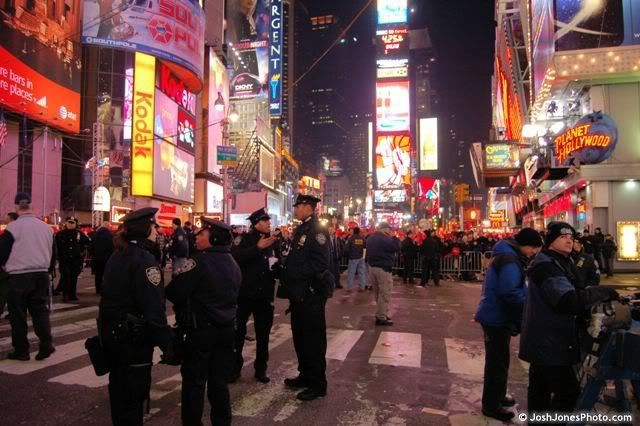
(3,129)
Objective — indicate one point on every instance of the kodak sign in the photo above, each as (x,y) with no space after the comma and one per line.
(142,125)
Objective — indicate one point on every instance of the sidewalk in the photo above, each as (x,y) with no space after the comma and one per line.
(631,280)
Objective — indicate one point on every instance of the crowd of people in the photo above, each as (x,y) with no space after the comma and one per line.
(222,275)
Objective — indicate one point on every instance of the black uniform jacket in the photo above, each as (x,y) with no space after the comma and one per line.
(133,284)
(308,261)
(210,283)
(70,245)
(258,281)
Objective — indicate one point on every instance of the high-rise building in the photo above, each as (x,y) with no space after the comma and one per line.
(358,161)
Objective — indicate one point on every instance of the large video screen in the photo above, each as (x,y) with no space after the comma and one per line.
(393,161)
(40,61)
(165,123)
(428,134)
(169,29)
(218,85)
(248,37)
(390,196)
(173,171)
(392,106)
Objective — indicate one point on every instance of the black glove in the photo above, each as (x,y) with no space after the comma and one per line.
(613,295)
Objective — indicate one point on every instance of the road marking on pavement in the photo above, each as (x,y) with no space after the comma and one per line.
(340,342)
(465,357)
(58,306)
(62,354)
(60,315)
(56,332)
(398,349)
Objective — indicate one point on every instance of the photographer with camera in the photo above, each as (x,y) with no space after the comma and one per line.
(549,336)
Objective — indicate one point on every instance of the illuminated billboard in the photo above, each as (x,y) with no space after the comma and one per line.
(393,161)
(392,12)
(596,24)
(392,106)
(331,166)
(142,126)
(166,118)
(428,146)
(392,42)
(167,29)
(248,28)
(390,196)
(215,197)
(173,171)
(218,86)
(40,61)
(502,156)
(392,68)
(542,33)
(275,59)
(186,131)
(266,168)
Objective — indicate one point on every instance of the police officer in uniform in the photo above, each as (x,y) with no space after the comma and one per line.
(70,245)
(205,293)
(307,283)
(587,272)
(132,319)
(252,251)
(549,340)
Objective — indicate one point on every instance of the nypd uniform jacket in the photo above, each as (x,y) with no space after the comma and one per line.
(212,280)
(70,244)
(133,284)
(308,259)
(587,273)
(258,281)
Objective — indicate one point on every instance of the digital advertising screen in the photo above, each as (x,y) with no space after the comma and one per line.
(186,131)
(173,171)
(218,86)
(167,29)
(542,25)
(215,197)
(392,106)
(165,122)
(502,156)
(392,12)
(428,134)
(266,168)
(41,61)
(392,42)
(248,30)
(392,68)
(393,161)
(389,196)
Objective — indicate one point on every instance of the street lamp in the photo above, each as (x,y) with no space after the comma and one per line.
(231,116)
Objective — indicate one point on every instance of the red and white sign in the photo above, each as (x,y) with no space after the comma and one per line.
(28,92)
(173,87)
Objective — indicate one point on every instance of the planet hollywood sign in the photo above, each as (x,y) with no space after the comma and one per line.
(591,140)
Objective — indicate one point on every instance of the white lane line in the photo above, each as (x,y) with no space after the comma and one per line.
(60,316)
(340,342)
(465,357)
(62,354)
(87,377)
(57,332)
(398,349)
(58,306)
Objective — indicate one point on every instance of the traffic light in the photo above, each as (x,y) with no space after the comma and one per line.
(462,193)
(465,192)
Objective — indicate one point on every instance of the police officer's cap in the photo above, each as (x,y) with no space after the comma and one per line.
(258,215)
(22,197)
(146,214)
(215,224)
(71,219)
(306,199)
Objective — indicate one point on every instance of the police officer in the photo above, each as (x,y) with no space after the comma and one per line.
(587,272)
(179,248)
(252,251)
(307,283)
(549,337)
(430,251)
(132,319)
(70,244)
(205,293)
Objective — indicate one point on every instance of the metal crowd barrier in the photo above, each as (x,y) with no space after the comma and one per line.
(468,266)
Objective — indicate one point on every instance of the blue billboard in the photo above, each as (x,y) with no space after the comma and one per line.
(275,59)
(392,12)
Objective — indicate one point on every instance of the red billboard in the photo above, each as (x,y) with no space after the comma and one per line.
(40,62)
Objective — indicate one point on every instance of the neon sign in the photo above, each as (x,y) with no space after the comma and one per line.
(275,59)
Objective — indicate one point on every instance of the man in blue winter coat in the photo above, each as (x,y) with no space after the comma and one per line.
(500,313)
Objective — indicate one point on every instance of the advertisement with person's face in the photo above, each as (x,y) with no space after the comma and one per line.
(40,61)
(167,29)
(173,171)
(248,35)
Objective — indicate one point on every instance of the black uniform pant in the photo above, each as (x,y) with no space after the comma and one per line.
(309,330)
(496,366)
(430,269)
(552,388)
(69,272)
(207,363)
(98,270)
(129,383)
(409,269)
(262,310)
(29,292)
